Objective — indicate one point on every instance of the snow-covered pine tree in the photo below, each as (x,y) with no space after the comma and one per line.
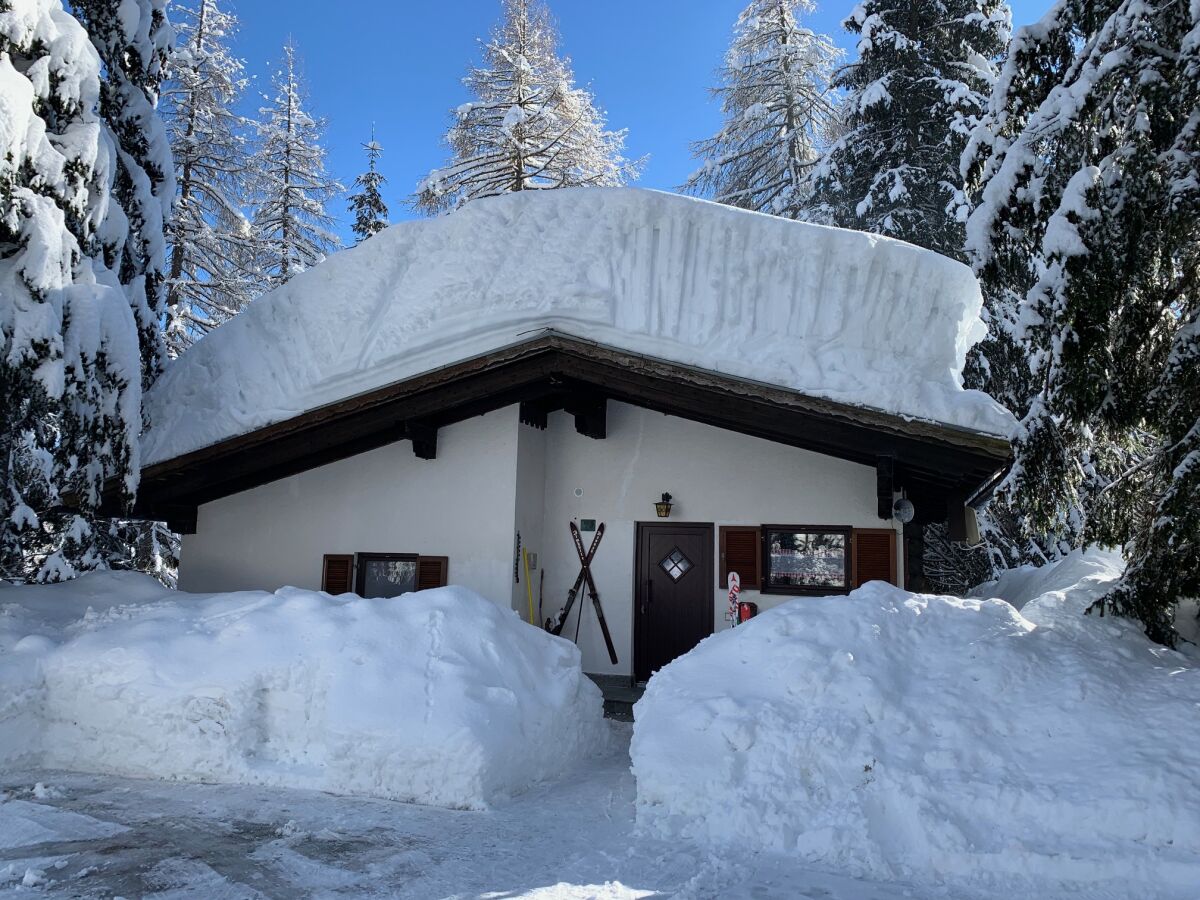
(921,81)
(919,84)
(134,48)
(211,276)
(84,182)
(779,112)
(370,212)
(134,41)
(291,228)
(529,127)
(1085,178)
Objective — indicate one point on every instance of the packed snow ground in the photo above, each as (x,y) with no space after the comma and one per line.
(939,740)
(91,836)
(876,746)
(439,697)
(849,316)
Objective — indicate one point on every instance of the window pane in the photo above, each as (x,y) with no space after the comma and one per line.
(389,577)
(676,564)
(807,559)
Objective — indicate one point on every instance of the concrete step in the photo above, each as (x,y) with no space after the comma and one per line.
(620,694)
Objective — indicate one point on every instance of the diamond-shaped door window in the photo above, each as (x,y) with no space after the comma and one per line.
(676,564)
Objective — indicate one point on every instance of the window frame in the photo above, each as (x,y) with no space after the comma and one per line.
(360,569)
(790,590)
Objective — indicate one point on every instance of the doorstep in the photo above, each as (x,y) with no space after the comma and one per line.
(620,693)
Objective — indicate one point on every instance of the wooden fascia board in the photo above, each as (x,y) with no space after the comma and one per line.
(872,418)
(551,364)
(789,423)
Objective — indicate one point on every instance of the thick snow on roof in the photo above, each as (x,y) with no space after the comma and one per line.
(839,314)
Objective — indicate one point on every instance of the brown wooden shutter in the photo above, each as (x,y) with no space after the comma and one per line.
(337,573)
(874,554)
(741,552)
(432,572)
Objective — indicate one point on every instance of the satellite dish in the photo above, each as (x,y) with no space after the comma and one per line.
(903,510)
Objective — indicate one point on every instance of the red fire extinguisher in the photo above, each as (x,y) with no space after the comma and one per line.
(746,610)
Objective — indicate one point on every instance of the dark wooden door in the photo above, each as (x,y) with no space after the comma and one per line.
(673,597)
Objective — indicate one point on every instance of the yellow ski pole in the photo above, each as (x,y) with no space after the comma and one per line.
(528,583)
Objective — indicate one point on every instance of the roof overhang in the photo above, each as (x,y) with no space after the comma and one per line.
(939,465)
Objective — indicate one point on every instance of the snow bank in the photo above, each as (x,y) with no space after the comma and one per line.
(438,697)
(1062,593)
(1074,582)
(853,317)
(937,739)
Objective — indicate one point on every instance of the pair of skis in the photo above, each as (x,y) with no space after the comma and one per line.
(584,581)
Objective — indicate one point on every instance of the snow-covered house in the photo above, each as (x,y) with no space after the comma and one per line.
(441,402)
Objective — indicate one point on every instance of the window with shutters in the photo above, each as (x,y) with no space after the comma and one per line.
(805,559)
(741,547)
(337,573)
(382,574)
(432,572)
(874,555)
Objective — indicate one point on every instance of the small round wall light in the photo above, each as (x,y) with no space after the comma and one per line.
(903,510)
(663,506)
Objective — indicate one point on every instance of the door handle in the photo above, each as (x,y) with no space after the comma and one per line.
(649,595)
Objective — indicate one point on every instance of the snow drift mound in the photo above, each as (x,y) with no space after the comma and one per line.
(852,317)
(437,697)
(935,739)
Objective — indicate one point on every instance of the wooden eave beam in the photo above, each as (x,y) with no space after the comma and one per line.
(885,472)
(591,414)
(535,414)
(183,519)
(424,439)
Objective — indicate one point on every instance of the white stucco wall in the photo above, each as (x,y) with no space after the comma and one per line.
(460,505)
(715,476)
(494,477)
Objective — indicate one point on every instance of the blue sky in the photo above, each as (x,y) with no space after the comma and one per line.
(399,64)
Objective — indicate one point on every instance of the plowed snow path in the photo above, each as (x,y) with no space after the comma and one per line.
(92,836)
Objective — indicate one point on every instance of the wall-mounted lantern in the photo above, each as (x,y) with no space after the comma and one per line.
(663,506)
(903,510)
